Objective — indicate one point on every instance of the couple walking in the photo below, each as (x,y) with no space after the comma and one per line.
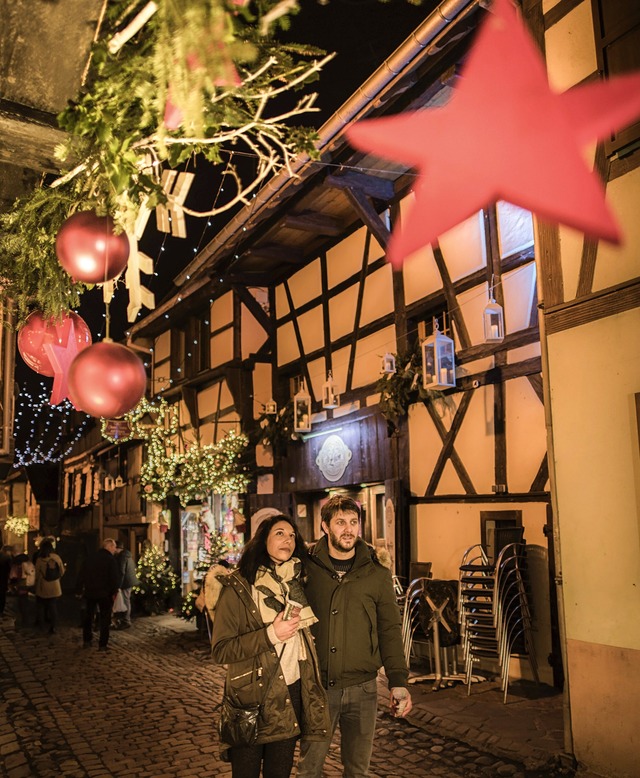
(263,627)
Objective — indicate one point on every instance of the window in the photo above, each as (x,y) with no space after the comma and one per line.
(498,529)
(617,33)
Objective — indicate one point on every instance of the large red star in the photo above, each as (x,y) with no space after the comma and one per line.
(61,356)
(504,135)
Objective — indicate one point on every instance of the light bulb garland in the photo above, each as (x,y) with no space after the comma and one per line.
(41,431)
(157,580)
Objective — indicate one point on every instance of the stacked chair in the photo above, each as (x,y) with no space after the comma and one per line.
(494,612)
(430,617)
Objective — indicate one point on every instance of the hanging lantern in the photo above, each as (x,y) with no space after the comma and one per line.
(119,482)
(388,364)
(493,319)
(38,331)
(438,361)
(330,397)
(89,250)
(109,484)
(106,380)
(302,409)
(271,408)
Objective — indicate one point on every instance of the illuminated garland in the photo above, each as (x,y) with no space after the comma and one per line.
(18,525)
(156,580)
(217,468)
(164,419)
(42,431)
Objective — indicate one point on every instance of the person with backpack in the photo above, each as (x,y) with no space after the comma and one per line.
(49,571)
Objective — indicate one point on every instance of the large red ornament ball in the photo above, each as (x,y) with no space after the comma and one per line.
(38,331)
(89,250)
(106,380)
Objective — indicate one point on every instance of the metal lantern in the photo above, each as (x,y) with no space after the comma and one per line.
(388,364)
(271,408)
(438,361)
(493,320)
(330,397)
(302,409)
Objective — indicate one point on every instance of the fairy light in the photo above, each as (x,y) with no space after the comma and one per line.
(42,430)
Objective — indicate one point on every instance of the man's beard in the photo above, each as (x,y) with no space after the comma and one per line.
(341,545)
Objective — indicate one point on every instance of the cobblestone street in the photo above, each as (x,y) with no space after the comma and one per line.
(147,709)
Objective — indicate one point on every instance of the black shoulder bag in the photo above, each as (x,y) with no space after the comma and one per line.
(238,725)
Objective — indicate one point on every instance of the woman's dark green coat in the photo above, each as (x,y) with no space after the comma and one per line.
(240,641)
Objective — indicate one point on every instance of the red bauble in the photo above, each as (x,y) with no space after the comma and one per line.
(89,250)
(106,380)
(38,331)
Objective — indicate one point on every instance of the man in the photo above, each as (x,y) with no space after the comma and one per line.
(128,580)
(358,632)
(99,581)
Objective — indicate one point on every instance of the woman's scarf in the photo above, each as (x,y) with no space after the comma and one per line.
(280,587)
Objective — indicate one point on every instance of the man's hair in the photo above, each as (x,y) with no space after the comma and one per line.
(336,504)
(108,542)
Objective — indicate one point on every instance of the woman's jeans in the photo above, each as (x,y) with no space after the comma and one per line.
(47,612)
(354,709)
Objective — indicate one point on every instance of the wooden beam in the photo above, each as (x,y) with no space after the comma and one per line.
(542,476)
(550,266)
(450,295)
(371,186)
(514,340)
(257,311)
(356,324)
(448,451)
(303,360)
(498,374)
(589,245)
(370,217)
(607,302)
(190,397)
(317,223)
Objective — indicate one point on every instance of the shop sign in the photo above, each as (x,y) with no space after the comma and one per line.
(333,458)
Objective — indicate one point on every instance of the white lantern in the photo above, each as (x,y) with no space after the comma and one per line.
(330,397)
(271,408)
(302,410)
(493,319)
(438,361)
(388,364)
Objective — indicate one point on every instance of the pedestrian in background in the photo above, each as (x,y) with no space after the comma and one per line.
(98,582)
(49,569)
(261,633)
(5,567)
(358,631)
(18,583)
(128,579)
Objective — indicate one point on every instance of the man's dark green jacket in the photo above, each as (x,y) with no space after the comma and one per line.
(359,621)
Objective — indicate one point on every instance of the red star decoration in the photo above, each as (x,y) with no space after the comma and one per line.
(504,135)
(61,356)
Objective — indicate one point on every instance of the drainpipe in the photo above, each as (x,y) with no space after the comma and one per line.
(414,47)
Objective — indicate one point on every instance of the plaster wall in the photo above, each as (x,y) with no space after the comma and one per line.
(252,334)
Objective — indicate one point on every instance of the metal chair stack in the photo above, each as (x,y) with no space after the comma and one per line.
(494,611)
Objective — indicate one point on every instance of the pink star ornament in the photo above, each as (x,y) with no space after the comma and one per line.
(504,135)
(61,358)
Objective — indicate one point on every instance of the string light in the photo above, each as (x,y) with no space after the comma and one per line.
(42,430)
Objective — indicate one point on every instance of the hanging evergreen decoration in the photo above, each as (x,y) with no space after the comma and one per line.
(18,525)
(219,468)
(157,580)
(276,430)
(166,83)
(403,388)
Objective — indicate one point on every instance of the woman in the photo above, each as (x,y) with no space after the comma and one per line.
(49,571)
(267,652)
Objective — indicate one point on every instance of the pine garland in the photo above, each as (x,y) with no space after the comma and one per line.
(157,580)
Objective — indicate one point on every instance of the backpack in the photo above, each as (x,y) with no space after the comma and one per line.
(29,573)
(51,571)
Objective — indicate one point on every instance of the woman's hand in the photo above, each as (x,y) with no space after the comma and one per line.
(286,629)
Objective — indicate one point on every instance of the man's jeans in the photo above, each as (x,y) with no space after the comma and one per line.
(354,709)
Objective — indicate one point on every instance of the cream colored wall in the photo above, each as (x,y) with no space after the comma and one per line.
(252,335)
(594,372)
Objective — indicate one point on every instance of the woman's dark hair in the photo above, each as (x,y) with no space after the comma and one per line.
(46,547)
(255,552)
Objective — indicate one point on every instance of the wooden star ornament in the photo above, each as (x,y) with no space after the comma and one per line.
(504,135)
(61,356)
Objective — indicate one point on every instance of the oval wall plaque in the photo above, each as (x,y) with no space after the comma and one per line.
(333,458)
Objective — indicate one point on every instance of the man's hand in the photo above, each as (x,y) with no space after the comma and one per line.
(400,702)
